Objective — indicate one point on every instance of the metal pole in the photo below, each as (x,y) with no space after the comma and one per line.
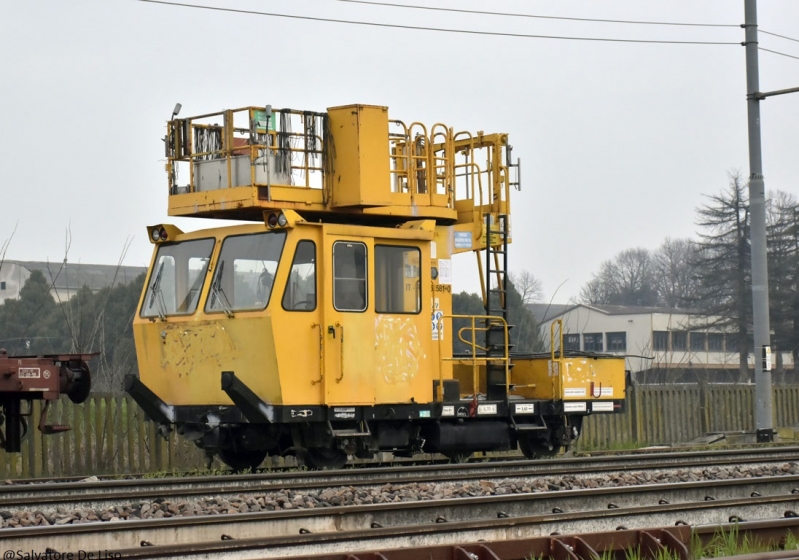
(757,204)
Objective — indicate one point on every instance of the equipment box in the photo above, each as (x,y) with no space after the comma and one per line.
(360,157)
(570,378)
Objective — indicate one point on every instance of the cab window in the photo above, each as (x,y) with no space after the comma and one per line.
(397,286)
(300,292)
(177,278)
(245,272)
(349,276)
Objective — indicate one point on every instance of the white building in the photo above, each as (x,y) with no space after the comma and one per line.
(659,344)
(65,279)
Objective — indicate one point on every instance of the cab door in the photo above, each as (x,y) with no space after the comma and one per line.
(402,331)
(349,338)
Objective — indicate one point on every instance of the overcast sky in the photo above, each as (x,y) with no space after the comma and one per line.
(618,141)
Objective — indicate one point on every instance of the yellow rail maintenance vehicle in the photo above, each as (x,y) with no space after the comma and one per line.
(324,327)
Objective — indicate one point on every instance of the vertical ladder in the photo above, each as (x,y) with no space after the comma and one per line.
(496,303)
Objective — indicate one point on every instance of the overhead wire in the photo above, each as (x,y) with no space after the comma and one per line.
(563,18)
(439,29)
(779,53)
(776,35)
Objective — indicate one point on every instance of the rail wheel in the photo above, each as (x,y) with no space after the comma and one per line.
(80,382)
(325,458)
(242,459)
(537,449)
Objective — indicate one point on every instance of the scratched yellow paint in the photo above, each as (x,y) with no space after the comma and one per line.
(408,181)
(403,364)
(297,335)
(182,361)
(563,378)
(318,356)
(570,378)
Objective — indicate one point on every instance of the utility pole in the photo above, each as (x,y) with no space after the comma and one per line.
(764,422)
(764,419)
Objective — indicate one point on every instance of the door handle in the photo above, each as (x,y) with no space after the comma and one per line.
(331,330)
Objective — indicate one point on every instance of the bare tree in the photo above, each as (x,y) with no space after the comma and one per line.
(674,276)
(6,245)
(627,279)
(528,286)
(594,292)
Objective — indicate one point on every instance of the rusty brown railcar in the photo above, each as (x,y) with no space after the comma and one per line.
(42,377)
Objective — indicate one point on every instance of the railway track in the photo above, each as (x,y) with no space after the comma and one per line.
(103,494)
(385,526)
(778,451)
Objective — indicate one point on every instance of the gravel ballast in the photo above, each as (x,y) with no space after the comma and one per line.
(387,493)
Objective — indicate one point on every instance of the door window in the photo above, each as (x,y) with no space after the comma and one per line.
(349,276)
(397,288)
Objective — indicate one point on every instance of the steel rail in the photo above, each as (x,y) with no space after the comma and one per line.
(107,493)
(497,516)
(769,453)
(647,544)
(424,535)
(772,450)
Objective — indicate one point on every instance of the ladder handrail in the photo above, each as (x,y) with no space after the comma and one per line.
(474,358)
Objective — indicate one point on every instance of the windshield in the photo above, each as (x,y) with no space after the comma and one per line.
(245,272)
(177,278)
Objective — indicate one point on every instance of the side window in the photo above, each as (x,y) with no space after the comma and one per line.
(571,342)
(660,340)
(300,292)
(592,342)
(617,342)
(397,287)
(349,276)
(698,340)
(679,340)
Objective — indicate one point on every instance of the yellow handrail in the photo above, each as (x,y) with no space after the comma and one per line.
(488,319)
(427,165)
(558,322)
(321,354)
(340,377)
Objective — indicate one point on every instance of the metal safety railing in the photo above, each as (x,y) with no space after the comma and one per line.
(261,146)
(440,167)
(474,359)
(288,140)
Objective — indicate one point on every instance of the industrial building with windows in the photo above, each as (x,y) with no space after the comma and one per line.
(660,344)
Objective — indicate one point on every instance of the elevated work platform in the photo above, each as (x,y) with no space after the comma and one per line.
(350,163)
